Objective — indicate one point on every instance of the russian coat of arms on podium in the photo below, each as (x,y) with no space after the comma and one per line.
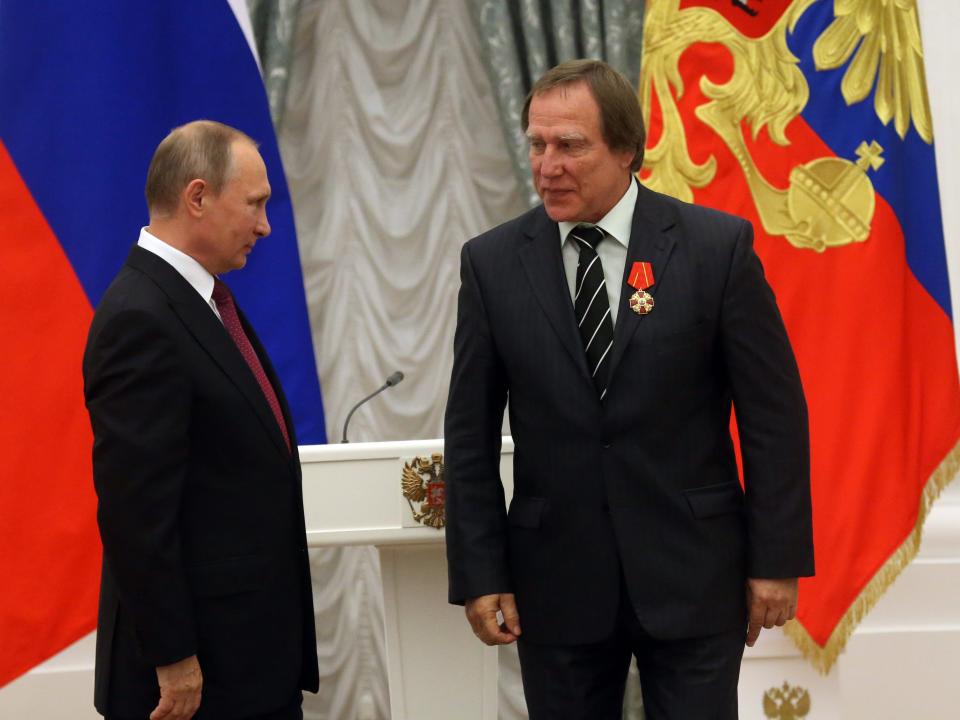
(423,483)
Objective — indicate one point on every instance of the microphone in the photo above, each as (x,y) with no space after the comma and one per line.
(394,379)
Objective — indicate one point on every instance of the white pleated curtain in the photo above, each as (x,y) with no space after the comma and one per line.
(394,151)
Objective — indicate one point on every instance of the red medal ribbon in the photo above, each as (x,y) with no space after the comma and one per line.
(641,276)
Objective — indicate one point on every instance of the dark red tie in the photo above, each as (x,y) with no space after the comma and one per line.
(231,321)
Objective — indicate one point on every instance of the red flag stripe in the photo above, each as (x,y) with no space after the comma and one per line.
(50,560)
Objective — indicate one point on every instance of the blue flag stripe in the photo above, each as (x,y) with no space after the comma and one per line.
(908,178)
(90,89)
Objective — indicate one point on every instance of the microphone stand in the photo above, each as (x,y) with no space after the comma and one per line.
(394,379)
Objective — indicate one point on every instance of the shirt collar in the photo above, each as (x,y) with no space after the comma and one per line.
(617,223)
(192,271)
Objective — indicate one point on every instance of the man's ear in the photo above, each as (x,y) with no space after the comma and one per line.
(195,196)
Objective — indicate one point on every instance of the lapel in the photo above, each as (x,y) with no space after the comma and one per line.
(212,337)
(543,264)
(652,238)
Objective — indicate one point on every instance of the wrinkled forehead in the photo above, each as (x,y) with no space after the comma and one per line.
(568,109)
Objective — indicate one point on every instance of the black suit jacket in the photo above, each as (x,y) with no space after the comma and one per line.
(199,506)
(642,487)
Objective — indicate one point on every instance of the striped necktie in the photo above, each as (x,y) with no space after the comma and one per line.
(592,306)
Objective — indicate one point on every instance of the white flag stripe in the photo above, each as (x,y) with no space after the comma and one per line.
(599,325)
(242,15)
(602,357)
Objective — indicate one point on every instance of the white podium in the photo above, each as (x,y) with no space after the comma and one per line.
(352,496)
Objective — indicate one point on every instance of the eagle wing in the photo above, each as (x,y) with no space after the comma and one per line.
(413,488)
(884,40)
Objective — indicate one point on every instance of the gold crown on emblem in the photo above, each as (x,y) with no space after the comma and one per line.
(786,702)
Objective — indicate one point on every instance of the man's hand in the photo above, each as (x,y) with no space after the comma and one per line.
(482,615)
(769,602)
(180,685)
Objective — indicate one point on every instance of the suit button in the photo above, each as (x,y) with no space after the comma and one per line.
(607,445)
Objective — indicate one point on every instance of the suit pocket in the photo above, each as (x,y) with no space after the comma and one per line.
(229,576)
(712,500)
(526,512)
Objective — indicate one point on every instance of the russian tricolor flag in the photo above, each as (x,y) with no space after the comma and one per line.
(87,90)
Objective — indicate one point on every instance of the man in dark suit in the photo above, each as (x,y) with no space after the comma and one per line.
(621,325)
(205,604)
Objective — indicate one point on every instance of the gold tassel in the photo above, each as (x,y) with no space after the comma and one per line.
(823,658)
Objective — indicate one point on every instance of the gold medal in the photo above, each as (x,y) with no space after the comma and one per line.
(640,278)
(641,302)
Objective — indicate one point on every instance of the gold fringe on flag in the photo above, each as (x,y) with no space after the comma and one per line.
(823,658)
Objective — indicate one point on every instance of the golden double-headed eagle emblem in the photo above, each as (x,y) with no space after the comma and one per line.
(829,201)
(786,703)
(423,483)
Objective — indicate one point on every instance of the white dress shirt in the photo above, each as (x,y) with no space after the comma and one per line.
(191,271)
(612,251)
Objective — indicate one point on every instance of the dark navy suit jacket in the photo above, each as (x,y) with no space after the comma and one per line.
(644,486)
(200,506)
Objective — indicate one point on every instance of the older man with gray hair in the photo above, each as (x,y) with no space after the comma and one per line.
(623,326)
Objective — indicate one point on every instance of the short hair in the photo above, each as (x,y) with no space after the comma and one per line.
(621,118)
(198,149)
